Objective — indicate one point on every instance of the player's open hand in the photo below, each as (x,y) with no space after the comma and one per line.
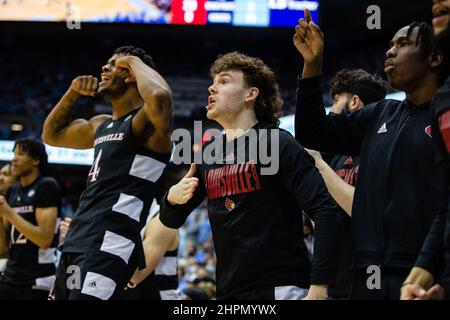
(183,191)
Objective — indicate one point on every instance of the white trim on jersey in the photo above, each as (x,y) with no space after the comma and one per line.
(47,255)
(44,283)
(154,210)
(147,168)
(171,294)
(58,222)
(98,286)
(117,245)
(3,263)
(167,267)
(290,293)
(130,206)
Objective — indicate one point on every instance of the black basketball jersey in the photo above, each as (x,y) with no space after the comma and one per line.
(162,283)
(120,189)
(28,264)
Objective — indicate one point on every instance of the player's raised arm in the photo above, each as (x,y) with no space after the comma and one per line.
(153,124)
(309,42)
(59,128)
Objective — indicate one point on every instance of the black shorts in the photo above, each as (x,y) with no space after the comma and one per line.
(153,289)
(92,275)
(9,291)
(390,284)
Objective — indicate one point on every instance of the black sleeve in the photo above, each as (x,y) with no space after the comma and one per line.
(48,194)
(334,133)
(301,178)
(431,257)
(175,216)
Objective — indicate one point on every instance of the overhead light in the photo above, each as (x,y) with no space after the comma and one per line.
(16,127)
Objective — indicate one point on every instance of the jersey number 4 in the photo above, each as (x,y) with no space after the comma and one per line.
(95,169)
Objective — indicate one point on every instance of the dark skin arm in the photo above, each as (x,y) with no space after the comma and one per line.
(59,128)
(152,124)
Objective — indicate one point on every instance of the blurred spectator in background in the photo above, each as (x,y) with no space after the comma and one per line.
(7,179)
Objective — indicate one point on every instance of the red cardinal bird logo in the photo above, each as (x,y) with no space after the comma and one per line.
(229,204)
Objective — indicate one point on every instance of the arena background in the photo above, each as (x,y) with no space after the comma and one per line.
(39,59)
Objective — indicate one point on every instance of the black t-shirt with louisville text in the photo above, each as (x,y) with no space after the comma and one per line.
(28,263)
(256,218)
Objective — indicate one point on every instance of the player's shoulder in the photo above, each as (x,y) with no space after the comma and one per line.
(101,119)
(47,182)
(377,110)
(445,86)
(441,100)
(13,188)
(286,142)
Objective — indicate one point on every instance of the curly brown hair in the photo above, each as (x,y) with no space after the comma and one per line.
(366,86)
(256,74)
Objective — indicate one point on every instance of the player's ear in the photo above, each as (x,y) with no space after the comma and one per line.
(435,59)
(130,78)
(356,102)
(36,162)
(252,94)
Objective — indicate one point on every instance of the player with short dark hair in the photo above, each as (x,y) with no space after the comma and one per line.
(396,194)
(30,210)
(351,89)
(430,277)
(132,148)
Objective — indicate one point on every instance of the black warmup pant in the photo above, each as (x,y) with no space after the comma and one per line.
(391,282)
(9,291)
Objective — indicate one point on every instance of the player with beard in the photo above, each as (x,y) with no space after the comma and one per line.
(132,147)
(351,89)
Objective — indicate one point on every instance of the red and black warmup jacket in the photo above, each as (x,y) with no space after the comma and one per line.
(396,194)
(256,219)
(437,245)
